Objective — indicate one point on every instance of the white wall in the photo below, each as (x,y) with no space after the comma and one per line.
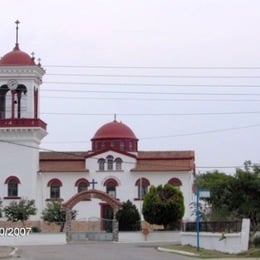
(233,243)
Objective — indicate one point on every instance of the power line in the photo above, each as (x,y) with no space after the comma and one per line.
(150,92)
(205,132)
(152,76)
(153,114)
(153,99)
(151,84)
(155,67)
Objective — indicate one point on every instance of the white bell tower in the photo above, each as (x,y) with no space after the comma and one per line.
(21,129)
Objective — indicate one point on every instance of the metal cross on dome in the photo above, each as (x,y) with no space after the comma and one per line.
(93,182)
(17,28)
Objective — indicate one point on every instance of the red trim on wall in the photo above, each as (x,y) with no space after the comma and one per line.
(54,180)
(175,181)
(81,180)
(11,178)
(12,198)
(111,180)
(144,180)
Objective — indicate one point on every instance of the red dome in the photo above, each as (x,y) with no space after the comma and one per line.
(16,57)
(114,130)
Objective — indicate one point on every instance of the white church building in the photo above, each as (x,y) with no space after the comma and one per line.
(114,164)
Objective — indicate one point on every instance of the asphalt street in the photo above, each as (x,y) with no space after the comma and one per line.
(96,251)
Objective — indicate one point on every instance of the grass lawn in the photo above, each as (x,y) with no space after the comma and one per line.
(203,253)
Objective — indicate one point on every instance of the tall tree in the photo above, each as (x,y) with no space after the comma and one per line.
(163,205)
(221,189)
(20,211)
(234,197)
(246,195)
(55,213)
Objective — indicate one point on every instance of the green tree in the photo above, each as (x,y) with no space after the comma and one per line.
(246,193)
(221,189)
(128,217)
(234,197)
(55,213)
(20,211)
(163,205)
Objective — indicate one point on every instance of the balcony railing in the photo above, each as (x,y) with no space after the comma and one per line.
(22,122)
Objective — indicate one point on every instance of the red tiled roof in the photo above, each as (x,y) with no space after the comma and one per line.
(165,161)
(150,161)
(62,162)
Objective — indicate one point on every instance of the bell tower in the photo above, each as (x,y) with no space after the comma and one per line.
(21,129)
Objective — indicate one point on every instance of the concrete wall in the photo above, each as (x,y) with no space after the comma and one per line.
(232,242)
(155,236)
(60,238)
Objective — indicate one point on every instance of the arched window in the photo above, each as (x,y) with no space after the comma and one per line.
(110,161)
(54,185)
(175,182)
(3,91)
(21,100)
(130,146)
(111,187)
(122,145)
(101,164)
(118,162)
(12,186)
(82,184)
(142,187)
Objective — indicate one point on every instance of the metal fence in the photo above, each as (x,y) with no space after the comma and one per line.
(213,226)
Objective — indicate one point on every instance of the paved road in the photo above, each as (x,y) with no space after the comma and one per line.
(96,251)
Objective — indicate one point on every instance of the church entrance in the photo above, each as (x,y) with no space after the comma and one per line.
(109,224)
(107,216)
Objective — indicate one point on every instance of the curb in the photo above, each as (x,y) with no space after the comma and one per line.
(162,249)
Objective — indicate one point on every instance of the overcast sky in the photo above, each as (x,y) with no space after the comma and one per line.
(182,74)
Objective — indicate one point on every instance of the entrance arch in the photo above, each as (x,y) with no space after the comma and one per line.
(88,194)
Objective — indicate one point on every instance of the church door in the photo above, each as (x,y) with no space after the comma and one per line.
(107,217)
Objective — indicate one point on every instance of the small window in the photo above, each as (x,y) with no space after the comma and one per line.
(142,190)
(101,164)
(54,185)
(142,187)
(122,145)
(118,162)
(12,188)
(111,187)
(55,190)
(82,186)
(110,161)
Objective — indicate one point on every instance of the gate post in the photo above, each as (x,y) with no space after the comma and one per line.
(68,225)
(115,226)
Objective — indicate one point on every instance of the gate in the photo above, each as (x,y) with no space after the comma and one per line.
(105,225)
(93,229)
